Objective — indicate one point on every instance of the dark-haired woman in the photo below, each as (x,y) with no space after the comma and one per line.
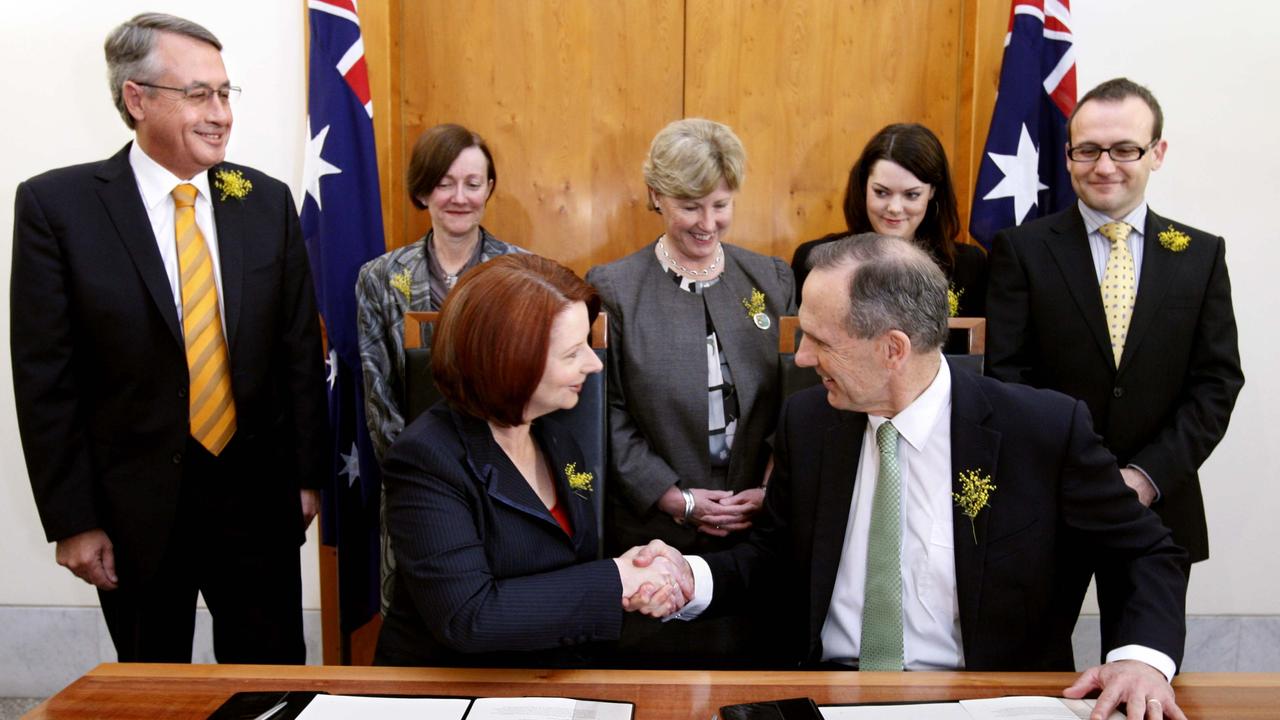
(488,501)
(451,175)
(901,186)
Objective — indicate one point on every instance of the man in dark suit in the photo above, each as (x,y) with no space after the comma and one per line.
(1154,355)
(884,567)
(167,365)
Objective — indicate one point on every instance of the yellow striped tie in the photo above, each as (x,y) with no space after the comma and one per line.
(212,407)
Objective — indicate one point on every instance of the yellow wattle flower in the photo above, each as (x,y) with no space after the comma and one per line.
(232,183)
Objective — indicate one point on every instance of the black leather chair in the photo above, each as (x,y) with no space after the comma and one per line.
(965,348)
(587,420)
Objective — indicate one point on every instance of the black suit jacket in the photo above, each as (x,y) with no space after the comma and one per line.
(1058,496)
(1166,406)
(100,370)
(484,574)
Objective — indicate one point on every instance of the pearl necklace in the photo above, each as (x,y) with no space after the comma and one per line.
(670,261)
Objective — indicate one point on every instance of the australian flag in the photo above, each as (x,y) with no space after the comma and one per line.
(1023,174)
(342,224)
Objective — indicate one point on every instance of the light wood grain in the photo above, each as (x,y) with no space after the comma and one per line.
(145,692)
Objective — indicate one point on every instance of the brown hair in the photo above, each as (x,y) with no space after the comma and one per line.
(918,150)
(434,152)
(1118,90)
(491,342)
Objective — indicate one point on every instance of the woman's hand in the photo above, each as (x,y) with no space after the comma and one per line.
(733,513)
(706,504)
(652,590)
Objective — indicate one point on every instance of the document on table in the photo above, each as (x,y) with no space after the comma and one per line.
(355,707)
(1004,708)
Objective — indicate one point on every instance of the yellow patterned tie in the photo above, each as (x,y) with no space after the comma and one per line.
(1119,285)
(212,407)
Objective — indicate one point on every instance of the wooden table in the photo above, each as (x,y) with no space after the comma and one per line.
(150,692)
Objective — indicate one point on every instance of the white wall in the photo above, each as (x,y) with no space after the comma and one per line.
(1208,65)
(59,112)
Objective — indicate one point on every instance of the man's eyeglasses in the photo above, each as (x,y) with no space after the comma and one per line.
(1123,153)
(199,93)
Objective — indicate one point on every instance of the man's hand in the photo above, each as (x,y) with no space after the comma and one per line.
(1139,483)
(310,506)
(1142,689)
(643,556)
(91,557)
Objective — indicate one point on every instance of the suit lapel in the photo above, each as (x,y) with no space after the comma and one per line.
(232,229)
(576,503)
(1069,245)
(973,447)
(1158,271)
(841,449)
(119,194)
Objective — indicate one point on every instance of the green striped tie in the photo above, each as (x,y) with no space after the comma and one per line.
(882,602)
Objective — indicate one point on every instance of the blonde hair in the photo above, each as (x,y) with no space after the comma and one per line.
(689,157)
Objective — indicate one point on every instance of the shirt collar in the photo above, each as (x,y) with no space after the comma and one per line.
(1137,218)
(156,183)
(916,422)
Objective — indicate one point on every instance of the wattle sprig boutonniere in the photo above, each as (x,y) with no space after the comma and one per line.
(579,482)
(975,494)
(232,183)
(953,301)
(402,282)
(1174,240)
(756,309)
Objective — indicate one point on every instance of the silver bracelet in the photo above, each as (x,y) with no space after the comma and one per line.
(689,503)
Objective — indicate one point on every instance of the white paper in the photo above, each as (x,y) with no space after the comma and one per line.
(355,707)
(1007,708)
(1031,708)
(929,711)
(544,708)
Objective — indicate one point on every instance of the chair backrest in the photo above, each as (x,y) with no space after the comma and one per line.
(965,347)
(792,378)
(587,421)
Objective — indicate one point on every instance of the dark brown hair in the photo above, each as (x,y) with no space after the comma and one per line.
(918,150)
(1118,90)
(434,152)
(491,342)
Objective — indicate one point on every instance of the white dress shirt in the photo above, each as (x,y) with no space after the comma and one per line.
(1100,247)
(155,185)
(930,610)
(930,606)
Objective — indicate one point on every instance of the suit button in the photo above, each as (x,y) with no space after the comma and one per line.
(1118,392)
(177,458)
(182,392)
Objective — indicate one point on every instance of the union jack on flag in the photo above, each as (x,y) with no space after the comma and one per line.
(1023,174)
(342,225)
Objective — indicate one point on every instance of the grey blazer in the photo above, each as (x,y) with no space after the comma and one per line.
(658,383)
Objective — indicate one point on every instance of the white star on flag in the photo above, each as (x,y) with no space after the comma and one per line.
(351,465)
(1021,177)
(315,167)
(332,362)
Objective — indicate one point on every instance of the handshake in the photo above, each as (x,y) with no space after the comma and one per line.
(656,579)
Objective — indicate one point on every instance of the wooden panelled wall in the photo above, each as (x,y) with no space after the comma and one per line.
(568,93)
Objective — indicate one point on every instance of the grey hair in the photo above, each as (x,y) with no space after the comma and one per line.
(689,157)
(129,51)
(894,286)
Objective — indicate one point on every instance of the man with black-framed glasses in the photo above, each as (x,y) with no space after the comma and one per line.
(167,365)
(1125,309)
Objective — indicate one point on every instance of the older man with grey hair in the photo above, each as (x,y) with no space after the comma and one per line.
(167,365)
(918,513)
